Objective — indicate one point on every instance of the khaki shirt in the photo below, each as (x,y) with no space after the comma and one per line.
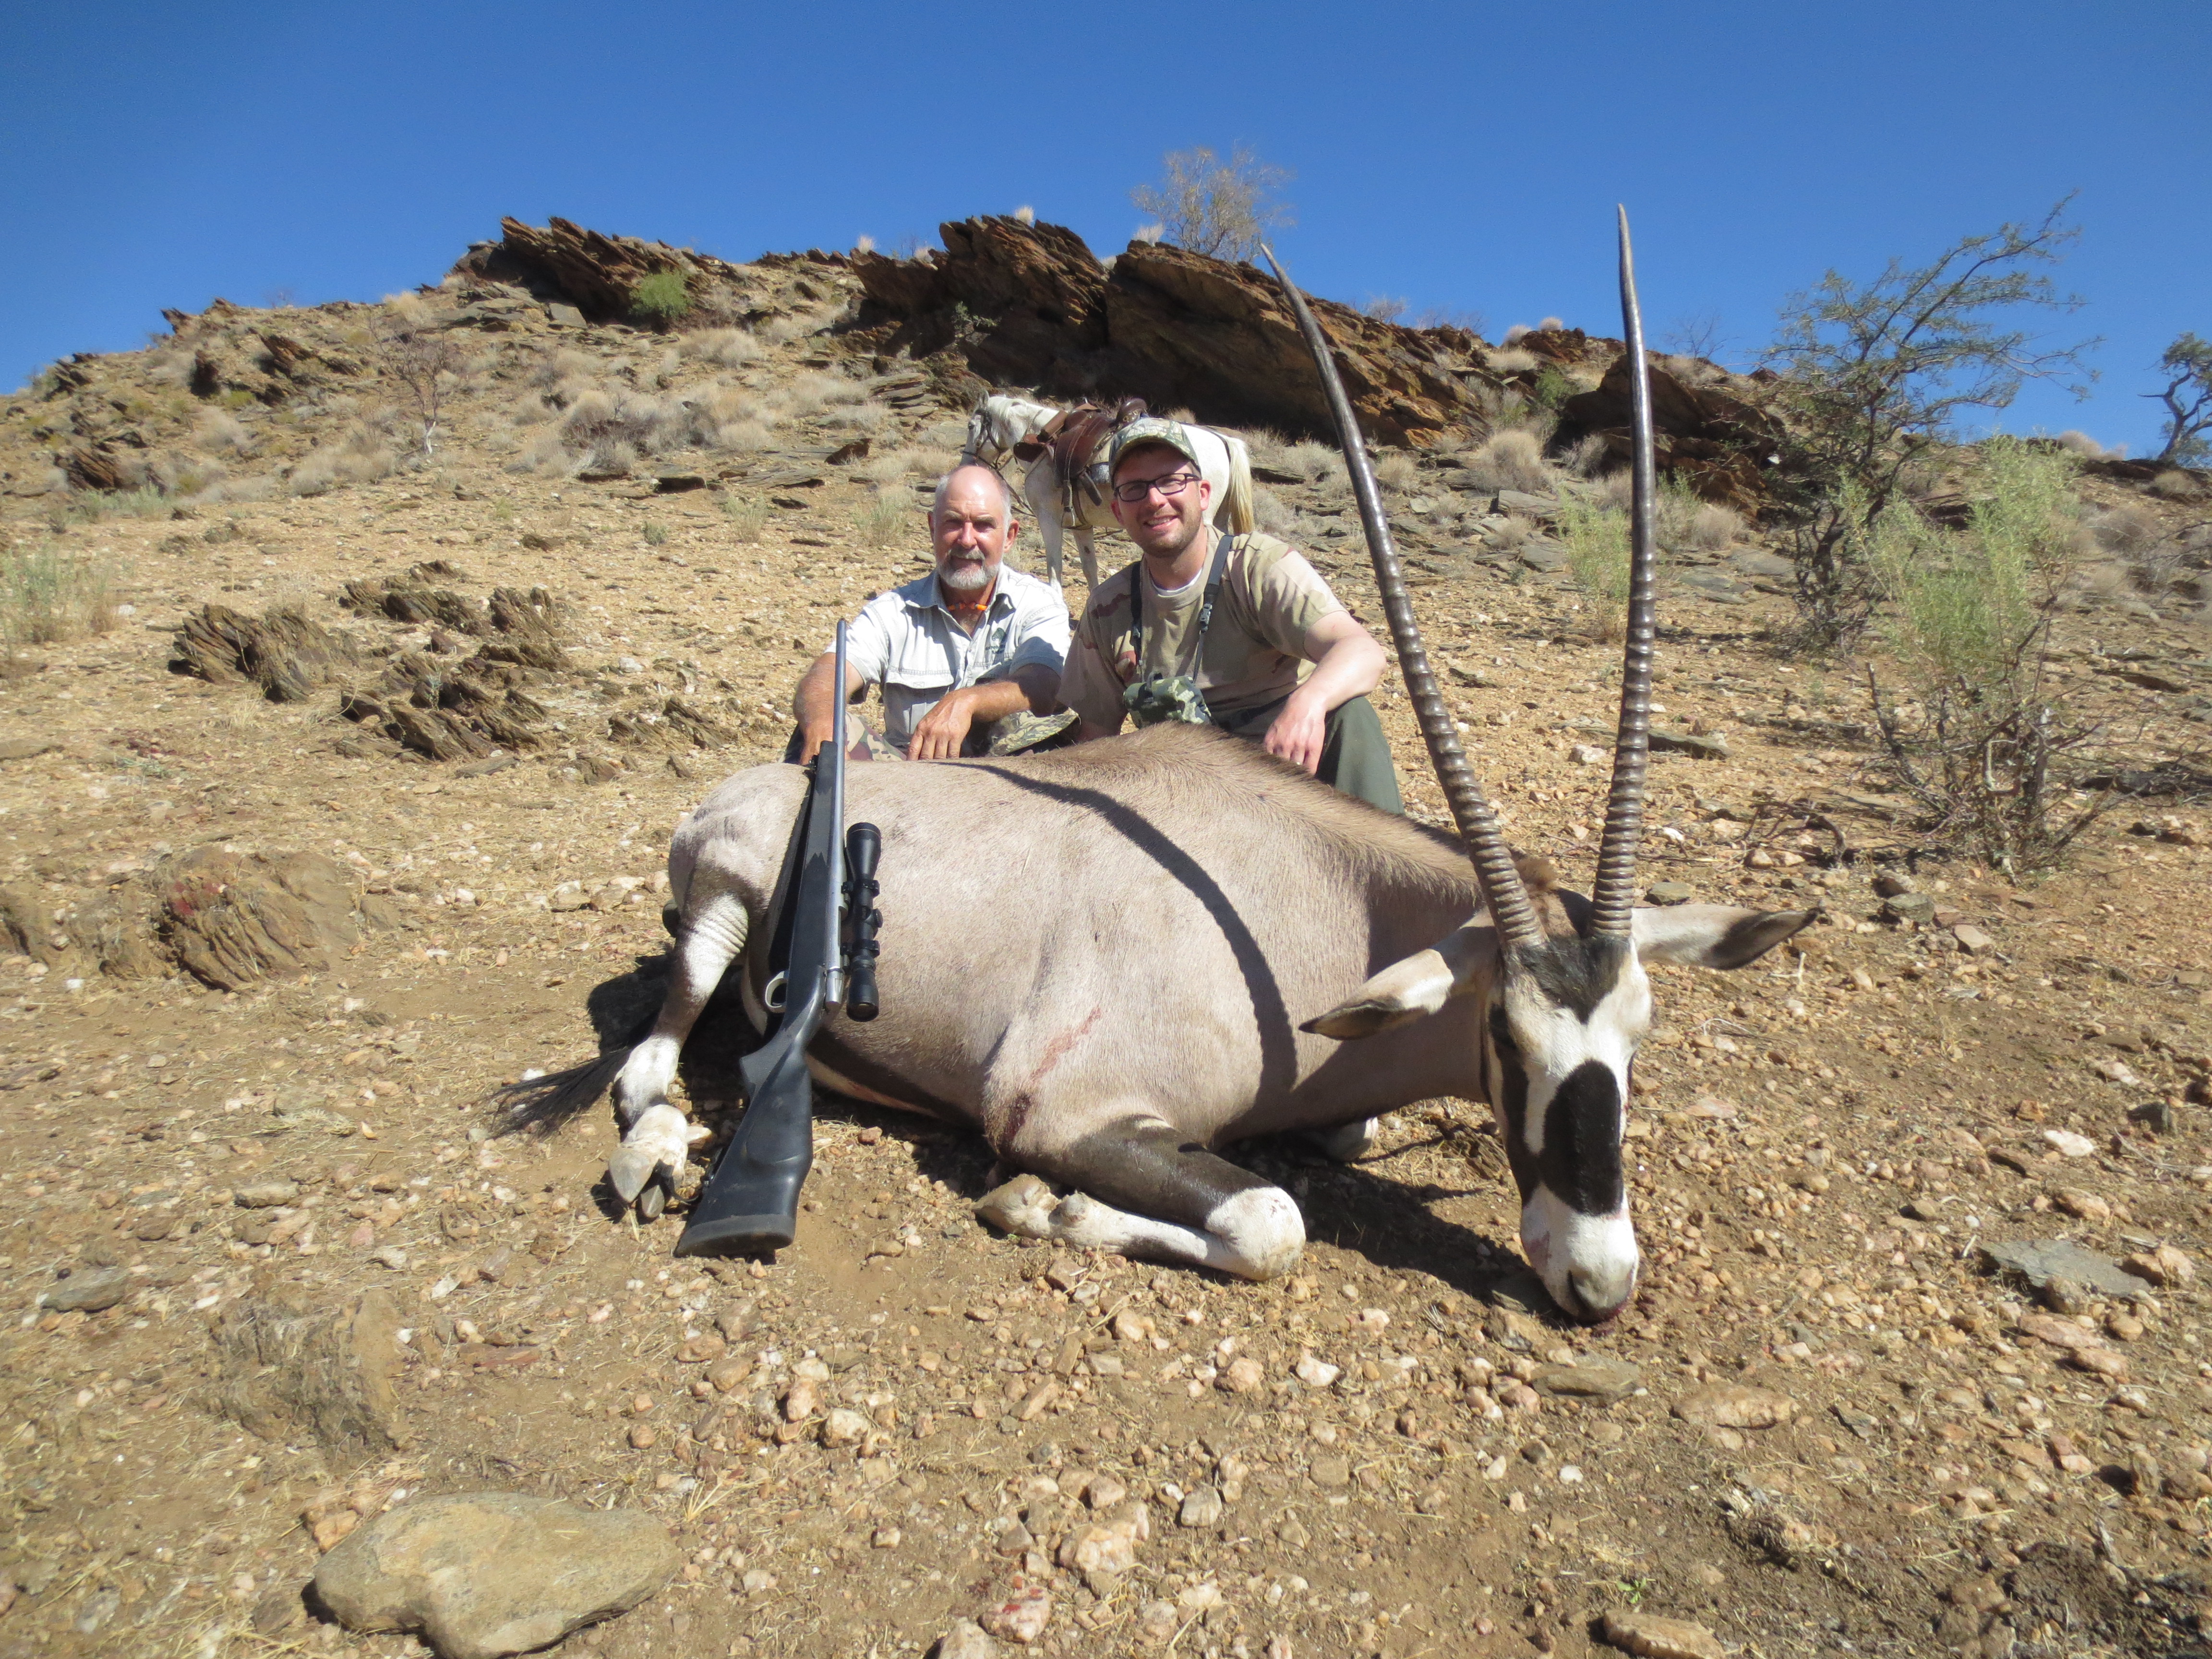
(1255,653)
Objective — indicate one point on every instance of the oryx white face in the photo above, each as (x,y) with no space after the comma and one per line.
(1562,1039)
(1558,1036)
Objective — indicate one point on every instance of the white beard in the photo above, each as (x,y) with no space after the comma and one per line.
(964,577)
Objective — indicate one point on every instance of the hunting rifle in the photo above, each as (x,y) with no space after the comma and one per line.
(823,954)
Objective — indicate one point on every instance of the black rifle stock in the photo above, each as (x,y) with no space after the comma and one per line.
(749,1201)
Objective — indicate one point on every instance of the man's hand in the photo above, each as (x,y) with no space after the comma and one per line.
(944,728)
(814,705)
(1299,732)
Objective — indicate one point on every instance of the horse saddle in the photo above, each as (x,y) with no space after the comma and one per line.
(1074,436)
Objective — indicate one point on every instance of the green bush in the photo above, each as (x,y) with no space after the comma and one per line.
(1596,542)
(1971,721)
(1873,376)
(660,298)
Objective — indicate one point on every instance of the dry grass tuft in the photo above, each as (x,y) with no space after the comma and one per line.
(47,597)
(887,518)
(1396,471)
(724,348)
(361,455)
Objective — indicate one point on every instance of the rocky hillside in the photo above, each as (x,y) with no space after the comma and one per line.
(360,659)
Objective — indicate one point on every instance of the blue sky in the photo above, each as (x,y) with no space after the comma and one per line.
(1462,157)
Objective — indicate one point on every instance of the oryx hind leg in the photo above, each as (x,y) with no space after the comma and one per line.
(1143,1189)
(657,1137)
(1349,1142)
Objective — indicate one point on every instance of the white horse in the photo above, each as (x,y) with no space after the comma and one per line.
(1067,489)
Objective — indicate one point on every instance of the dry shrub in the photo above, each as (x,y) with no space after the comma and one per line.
(47,597)
(1588,453)
(1317,464)
(2176,486)
(725,347)
(1714,525)
(1511,360)
(2082,444)
(854,417)
(361,455)
(743,437)
(1511,459)
(562,367)
(1396,471)
(1274,518)
(217,430)
(2131,527)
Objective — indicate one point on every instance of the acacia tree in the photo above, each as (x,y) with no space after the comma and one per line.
(1225,210)
(2187,366)
(1873,374)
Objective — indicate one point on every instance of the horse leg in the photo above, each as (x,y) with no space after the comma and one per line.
(1143,1189)
(657,1137)
(1090,558)
(1043,492)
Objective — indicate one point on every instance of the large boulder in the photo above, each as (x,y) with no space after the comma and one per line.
(482,1575)
(1724,447)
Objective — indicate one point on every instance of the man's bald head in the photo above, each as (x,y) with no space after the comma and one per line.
(973,473)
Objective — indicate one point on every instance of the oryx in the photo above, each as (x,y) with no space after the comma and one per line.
(1113,960)
(1065,484)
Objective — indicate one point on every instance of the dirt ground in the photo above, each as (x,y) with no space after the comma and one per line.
(1823,1146)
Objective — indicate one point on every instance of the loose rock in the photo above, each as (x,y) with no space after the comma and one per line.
(1734,1405)
(89,1289)
(482,1575)
(965,1640)
(1661,1638)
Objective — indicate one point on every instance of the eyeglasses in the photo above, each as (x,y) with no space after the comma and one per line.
(1136,489)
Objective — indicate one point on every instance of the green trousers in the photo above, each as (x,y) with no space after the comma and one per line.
(1355,755)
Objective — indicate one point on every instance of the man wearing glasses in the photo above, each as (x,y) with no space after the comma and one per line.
(1239,632)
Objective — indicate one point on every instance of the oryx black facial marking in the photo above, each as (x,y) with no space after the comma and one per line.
(1580,1159)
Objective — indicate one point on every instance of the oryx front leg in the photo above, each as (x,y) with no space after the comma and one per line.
(1144,1190)
(657,1137)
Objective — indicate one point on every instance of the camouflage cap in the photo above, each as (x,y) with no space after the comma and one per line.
(1151,429)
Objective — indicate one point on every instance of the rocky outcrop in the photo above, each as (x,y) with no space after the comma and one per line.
(286,1369)
(1722,446)
(1031,305)
(235,919)
(598,274)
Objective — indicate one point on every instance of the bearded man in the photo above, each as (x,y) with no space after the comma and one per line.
(1238,632)
(968,657)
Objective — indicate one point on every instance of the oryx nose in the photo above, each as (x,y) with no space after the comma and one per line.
(1600,1292)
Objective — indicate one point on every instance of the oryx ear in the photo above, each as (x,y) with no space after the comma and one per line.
(1407,990)
(1713,935)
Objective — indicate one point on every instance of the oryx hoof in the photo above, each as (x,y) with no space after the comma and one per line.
(1350,1142)
(1023,1205)
(643,1169)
